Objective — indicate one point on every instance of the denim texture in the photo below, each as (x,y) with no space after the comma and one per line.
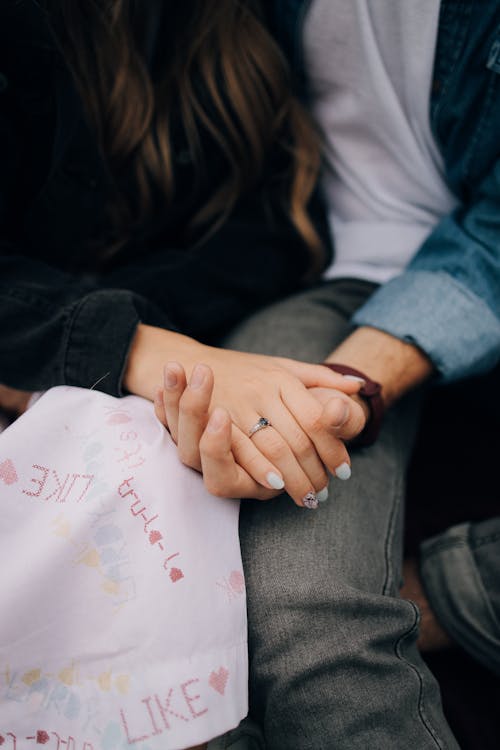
(461,575)
(333,660)
(465,247)
(449,319)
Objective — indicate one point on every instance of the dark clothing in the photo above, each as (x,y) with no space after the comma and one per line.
(66,320)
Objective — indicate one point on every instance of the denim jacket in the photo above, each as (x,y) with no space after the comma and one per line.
(447,301)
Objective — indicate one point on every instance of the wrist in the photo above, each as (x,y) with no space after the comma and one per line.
(150,350)
(397,365)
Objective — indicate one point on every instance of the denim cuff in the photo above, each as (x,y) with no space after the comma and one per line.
(455,587)
(433,311)
(98,340)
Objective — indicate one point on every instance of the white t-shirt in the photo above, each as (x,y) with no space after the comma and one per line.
(370,64)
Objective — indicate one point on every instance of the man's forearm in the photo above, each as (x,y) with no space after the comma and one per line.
(398,366)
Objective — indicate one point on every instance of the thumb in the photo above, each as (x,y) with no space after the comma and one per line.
(344,417)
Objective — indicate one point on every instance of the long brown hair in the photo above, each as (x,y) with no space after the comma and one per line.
(218,47)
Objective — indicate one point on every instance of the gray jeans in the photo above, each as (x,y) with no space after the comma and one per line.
(332,647)
(460,571)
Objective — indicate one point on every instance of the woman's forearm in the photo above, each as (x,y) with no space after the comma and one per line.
(151,348)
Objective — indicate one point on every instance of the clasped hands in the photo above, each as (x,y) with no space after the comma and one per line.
(312,412)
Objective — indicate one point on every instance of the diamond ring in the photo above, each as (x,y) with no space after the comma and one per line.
(260,425)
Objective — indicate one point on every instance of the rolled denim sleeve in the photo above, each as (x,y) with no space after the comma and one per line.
(460,572)
(447,302)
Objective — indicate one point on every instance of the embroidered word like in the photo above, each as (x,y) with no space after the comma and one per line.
(71,487)
(158,714)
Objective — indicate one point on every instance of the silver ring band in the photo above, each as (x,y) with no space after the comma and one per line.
(260,425)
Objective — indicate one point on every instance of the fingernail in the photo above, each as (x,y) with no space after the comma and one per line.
(197,377)
(310,501)
(343,471)
(355,378)
(216,420)
(322,495)
(342,419)
(169,377)
(275,481)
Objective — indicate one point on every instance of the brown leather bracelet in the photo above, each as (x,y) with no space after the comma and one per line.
(371,392)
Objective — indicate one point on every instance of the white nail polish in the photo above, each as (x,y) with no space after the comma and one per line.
(355,378)
(275,481)
(343,471)
(322,495)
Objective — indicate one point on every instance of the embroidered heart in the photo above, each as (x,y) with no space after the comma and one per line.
(118,418)
(8,472)
(176,574)
(218,680)
(42,737)
(155,536)
(2,739)
(237,581)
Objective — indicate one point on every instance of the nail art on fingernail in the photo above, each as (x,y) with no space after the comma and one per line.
(322,495)
(275,481)
(310,501)
(343,471)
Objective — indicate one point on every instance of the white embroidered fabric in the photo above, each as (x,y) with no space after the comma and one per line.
(122,597)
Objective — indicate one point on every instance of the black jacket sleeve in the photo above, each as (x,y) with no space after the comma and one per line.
(59,328)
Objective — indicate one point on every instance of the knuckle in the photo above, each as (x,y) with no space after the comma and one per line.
(208,447)
(253,464)
(301,445)
(314,424)
(276,447)
(189,408)
(215,487)
(187,457)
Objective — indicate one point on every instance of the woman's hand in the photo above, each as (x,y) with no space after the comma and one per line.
(241,467)
(250,387)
